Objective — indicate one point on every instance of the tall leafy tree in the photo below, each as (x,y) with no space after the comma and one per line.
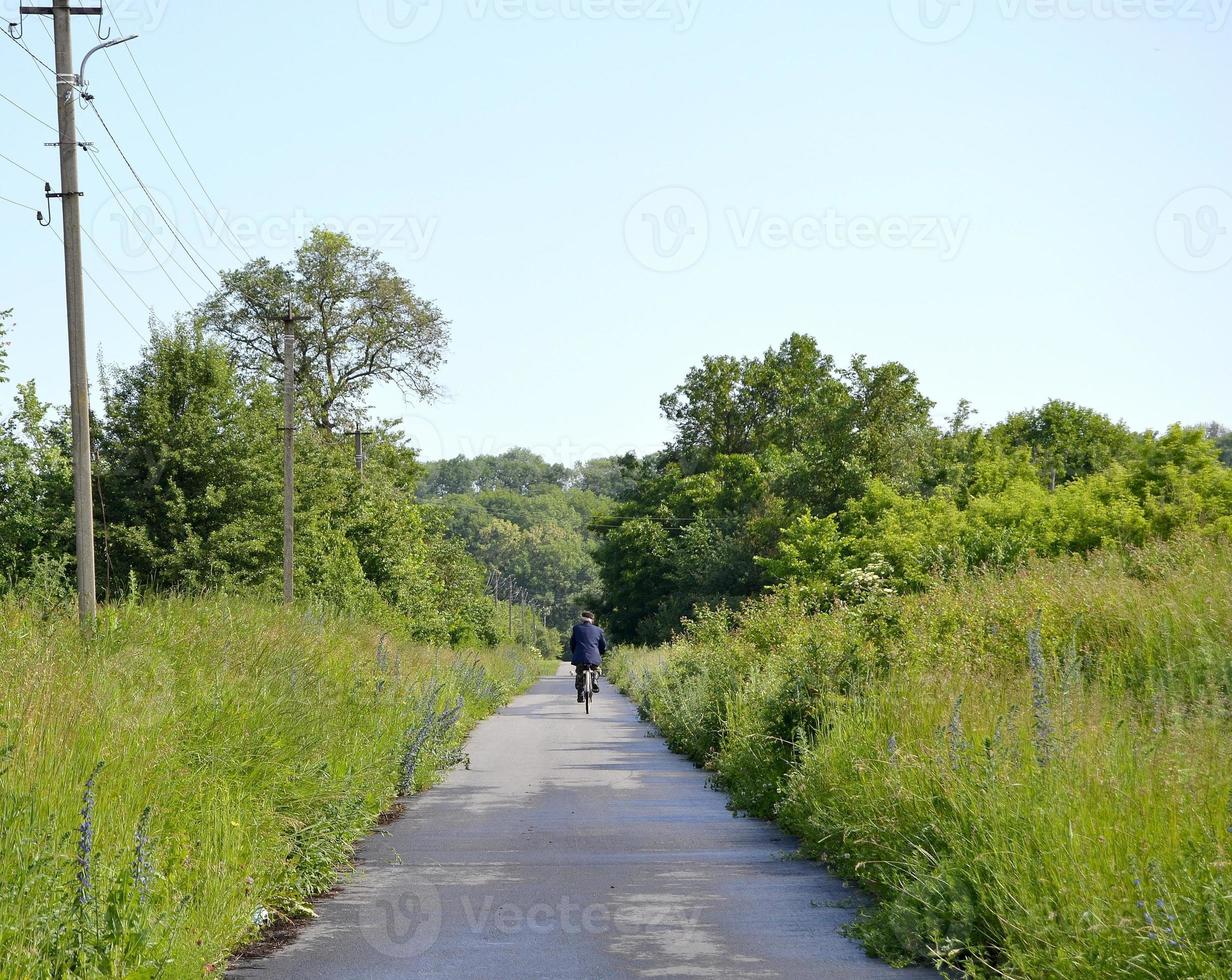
(1067,441)
(190,481)
(361,324)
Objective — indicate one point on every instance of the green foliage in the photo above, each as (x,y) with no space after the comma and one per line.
(264,742)
(1059,814)
(528,519)
(191,488)
(1067,441)
(788,472)
(36,486)
(359,323)
(189,498)
(518,471)
(1222,438)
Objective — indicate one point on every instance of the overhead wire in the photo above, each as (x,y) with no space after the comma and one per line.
(99,248)
(20,167)
(133,217)
(41,122)
(192,254)
(9,200)
(120,275)
(114,187)
(105,295)
(24,47)
(176,141)
(140,118)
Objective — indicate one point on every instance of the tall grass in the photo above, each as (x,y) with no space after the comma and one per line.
(200,767)
(1029,772)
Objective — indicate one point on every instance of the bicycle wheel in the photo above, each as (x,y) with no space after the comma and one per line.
(587,681)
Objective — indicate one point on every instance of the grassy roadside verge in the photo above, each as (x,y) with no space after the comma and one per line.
(243,749)
(1029,772)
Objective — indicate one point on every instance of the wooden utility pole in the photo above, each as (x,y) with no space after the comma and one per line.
(288,455)
(79,382)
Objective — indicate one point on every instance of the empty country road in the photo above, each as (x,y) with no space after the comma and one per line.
(572,847)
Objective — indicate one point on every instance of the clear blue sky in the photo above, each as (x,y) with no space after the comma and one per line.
(1002,212)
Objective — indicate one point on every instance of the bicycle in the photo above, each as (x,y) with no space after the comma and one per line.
(590,685)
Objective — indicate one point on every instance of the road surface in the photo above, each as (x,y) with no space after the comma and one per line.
(576,847)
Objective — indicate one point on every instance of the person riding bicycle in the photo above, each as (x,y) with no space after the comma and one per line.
(587,646)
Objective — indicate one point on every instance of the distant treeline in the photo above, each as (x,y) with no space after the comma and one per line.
(531,520)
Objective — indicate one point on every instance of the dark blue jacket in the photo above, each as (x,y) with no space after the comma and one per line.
(588,645)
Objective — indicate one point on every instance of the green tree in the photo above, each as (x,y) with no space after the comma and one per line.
(36,490)
(190,473)
(1221,436)
(361,323)
(1067,441)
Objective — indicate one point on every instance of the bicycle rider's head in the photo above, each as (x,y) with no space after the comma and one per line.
(588,617)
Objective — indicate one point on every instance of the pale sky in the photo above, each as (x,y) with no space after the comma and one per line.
(1019,200)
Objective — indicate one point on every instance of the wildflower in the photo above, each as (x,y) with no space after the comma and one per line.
(261,917)
(1039,698)
(954,735)
(142,866)
(415,744)
(85,841)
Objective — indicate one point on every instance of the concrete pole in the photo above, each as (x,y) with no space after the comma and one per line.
(79,382)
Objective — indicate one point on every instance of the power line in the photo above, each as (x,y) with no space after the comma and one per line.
(118,196)
(20,167)
(41,122)
(175,139)
(131,288)
(22,45)
(153,139)
(105,296)
(188,250)
(18,204)
(133,221)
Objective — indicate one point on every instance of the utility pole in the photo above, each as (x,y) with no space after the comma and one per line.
(359,449)
(79,382)
(288,455)
(511,609)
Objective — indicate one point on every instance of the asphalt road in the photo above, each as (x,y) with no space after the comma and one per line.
(576,847)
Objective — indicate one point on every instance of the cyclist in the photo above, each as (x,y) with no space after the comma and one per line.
(587,647)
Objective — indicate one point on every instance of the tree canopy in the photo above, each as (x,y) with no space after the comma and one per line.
(789,472)
(358,322)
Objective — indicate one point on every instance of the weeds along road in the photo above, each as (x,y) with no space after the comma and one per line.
(575,847)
